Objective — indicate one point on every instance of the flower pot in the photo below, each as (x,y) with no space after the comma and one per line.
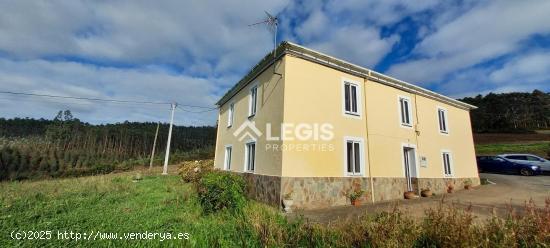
(288,204)
(468,186)
(356,202)
(409,195)
(426,193)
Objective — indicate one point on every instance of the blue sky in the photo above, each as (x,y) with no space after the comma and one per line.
(193,51)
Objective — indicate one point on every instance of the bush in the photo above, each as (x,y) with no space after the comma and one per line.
(192,171)
(219,190)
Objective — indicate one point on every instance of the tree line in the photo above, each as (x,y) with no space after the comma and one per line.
(510,112)
(66,146)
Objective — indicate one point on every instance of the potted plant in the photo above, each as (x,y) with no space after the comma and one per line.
(354,197)
(450,188)
(287,201)
(468,184)
(409,194)
(426,192)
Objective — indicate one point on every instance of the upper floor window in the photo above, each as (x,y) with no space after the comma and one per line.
(353,157)
(351,96)
(442,117)
(405,111)
(230,114)
(447,166)
(253,100)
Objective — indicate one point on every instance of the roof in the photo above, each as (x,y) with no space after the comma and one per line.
(287,47)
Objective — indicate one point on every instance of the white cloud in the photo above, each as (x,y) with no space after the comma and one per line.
(74,79)
(482,33)
(531,68)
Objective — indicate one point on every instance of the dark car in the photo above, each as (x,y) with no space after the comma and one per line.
(501,165)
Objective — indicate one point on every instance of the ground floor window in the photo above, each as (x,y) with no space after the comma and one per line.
(250,159)
(353,157)
(447,166)
(227,162)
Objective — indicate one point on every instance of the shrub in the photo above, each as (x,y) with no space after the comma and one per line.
(192,171)
(219,190)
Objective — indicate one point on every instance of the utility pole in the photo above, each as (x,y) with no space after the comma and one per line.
(154,146)
(167,155)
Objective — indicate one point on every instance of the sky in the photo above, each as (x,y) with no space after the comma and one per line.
(192,52)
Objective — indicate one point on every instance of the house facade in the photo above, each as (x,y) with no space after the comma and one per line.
(305,123)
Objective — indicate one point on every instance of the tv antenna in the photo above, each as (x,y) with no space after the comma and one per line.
(271,22)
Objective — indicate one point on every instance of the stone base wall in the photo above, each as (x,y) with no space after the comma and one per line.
(322,192)
(440,185)
(263,188)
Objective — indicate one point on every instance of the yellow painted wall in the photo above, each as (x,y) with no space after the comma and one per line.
(269,110)
(311,93)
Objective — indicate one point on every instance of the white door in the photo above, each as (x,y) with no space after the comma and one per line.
(409,162)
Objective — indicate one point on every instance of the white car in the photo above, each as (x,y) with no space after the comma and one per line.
(530,159)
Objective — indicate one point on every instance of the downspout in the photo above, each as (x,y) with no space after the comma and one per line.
(368,139)
(416,134)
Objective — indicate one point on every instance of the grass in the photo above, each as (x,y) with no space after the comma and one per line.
(114,203)
(538,148)
(108,203)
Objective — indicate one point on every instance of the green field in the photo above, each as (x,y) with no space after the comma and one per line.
(540,148)
(110,203)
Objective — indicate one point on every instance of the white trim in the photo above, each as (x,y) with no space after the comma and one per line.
(446,132)
(250,114)
(416,161)
(451,166)
(227,162)
(231,114)
(410,110)
(245,169)
(359,97)
(361,142)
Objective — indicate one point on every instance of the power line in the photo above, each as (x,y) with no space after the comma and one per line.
(100,99)
(196,112)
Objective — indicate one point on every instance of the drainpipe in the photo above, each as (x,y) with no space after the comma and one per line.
(368,146)
(416,134)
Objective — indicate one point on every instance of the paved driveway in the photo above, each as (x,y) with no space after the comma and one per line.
(509,191)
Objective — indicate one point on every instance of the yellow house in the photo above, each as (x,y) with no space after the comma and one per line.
(314,127)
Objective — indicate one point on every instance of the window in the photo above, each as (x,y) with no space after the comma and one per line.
(250,154)
(351,105)
(442,117)
(447,164)
(405,111)
(253,100)
(353,157)
(230,115)
(227,162)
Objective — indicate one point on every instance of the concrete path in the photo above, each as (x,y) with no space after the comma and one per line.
(509,191)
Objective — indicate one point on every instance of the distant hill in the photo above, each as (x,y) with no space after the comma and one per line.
(510,112)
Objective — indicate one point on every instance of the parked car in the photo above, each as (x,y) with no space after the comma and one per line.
(502,165)
(530,159)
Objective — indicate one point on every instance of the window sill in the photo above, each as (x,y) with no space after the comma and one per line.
(443,133)
(251,116)
(448,176)
(229,126)
(406,125)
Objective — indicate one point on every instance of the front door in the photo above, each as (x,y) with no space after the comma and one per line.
(409,161)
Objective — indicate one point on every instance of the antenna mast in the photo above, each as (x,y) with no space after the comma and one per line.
(271,22)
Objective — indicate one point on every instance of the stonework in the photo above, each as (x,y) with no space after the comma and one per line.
(263,188)
(323,192)
(440,185)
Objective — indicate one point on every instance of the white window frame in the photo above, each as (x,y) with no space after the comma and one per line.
(409,112)
(361,156)
(358,98)
(228,157)
(451,163)
(230,114)
(253,100)
(246,156)
(445,120)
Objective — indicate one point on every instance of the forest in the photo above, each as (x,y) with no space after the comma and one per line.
(510,112)
(66,146)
